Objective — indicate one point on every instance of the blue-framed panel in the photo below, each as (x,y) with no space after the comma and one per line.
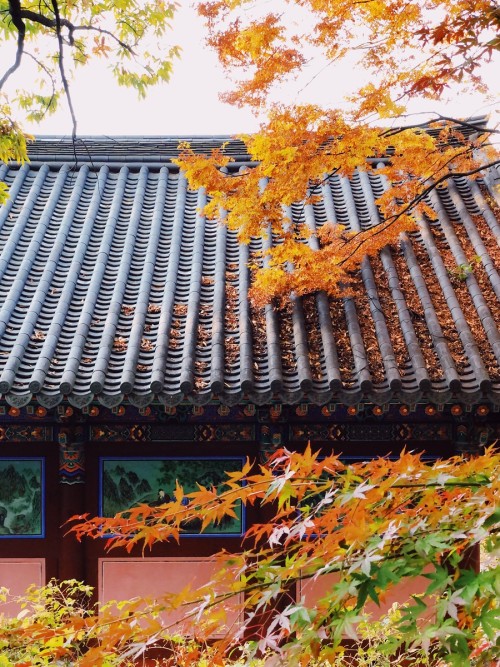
(22,497)
(128,481)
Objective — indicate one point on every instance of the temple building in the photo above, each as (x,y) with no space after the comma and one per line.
(131,355)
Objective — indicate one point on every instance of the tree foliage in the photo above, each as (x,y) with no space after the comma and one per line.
(12,142)
(362,529)
(409,50)
(61,35)
(295,152)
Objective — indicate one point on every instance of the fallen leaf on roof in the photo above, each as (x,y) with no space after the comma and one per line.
(120,344)
(146,345)
(180,309)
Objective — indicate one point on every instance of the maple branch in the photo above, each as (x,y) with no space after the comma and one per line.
(392,553)
(184,513)
(460,123)
(101,31)
(370,556)
(408,207)
(163,514)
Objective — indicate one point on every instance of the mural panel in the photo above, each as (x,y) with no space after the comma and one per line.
(21,497)
(132,481)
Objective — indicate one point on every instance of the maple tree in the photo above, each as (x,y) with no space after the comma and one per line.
(409,50)
(364,528)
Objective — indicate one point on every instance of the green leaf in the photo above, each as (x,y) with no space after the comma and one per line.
(301,617)
(493,519)
(386,575)
(365,590)
(490,622)
(457,660)
(440,578)
(413,611)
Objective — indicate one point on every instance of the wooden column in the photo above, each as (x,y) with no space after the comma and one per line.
(72,438)
(467,443)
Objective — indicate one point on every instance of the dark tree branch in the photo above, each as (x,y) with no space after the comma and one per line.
(71,27)
(15,13)
(425,125)
(46,21)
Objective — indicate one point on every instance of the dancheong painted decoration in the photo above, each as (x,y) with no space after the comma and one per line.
(21,497)
(152,481)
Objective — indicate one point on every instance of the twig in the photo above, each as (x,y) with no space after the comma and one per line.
(64,80)
(48,74)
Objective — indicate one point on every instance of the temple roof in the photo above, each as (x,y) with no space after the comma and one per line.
(114,288)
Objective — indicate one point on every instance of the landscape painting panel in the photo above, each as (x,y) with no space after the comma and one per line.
(129,482)
(21,497)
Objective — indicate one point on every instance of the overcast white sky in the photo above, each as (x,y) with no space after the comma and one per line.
(189,104)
